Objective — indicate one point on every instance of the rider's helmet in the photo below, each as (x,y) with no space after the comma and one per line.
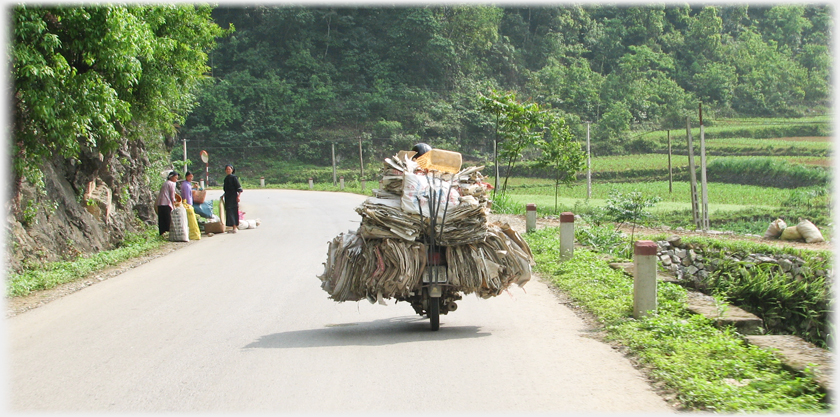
(420,148)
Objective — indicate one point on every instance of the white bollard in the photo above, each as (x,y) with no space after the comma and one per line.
(311,184)
(530,218)
(644,278)
(567,236)
(262,182)
(341,183)
(363,185)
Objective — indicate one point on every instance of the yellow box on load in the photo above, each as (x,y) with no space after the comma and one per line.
(440,160)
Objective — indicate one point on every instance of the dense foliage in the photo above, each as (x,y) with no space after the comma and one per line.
(293,81)
(87,78)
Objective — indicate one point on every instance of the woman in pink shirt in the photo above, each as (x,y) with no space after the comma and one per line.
(166,202)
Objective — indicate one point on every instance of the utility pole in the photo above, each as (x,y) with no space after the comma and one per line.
(496,158)
(333,163)
(703,190)
(693,174)
(588,165)
(185,155)
(670,172)
(361,161)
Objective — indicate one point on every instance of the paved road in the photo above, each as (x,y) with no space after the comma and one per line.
(239,323)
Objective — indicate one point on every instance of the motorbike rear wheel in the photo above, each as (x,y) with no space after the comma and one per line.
(434,312)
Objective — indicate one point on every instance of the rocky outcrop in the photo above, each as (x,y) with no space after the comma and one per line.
(83,205)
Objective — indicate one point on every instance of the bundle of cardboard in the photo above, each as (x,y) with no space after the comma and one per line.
(423,202)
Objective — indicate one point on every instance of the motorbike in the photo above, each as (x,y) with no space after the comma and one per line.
(435,295)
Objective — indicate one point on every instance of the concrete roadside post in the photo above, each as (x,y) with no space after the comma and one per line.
(644,278)
(262,182)
(341,183)
(363,185)
(530,218)
(311,184)
(567,235)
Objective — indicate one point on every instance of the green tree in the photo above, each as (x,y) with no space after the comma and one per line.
(786,25)
(770,83)
(85,78)
(573,88)
(472,30)
(629,208)
(518,125)
(644,81)
(560,153)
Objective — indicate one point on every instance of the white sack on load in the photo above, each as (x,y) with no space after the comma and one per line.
(809,232)
(375,269)
(791,233)
(775,229)
(419,191)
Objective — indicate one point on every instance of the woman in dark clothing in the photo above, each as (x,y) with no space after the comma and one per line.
(232,189)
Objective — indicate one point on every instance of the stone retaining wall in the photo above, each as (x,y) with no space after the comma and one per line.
(689,263)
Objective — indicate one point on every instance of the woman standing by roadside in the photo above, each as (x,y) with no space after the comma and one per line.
(186,188)
(232,189)
(166,202)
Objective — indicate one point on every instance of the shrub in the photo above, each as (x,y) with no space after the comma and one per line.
(765,172)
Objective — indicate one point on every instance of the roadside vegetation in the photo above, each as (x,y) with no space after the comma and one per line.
(37,277)
(704,367)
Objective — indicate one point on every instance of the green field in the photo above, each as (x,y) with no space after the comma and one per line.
(618,163)
(725,197)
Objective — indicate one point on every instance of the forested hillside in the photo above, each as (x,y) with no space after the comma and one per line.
(290,82)
(104,93)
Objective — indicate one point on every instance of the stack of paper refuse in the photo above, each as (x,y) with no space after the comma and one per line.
(386,257)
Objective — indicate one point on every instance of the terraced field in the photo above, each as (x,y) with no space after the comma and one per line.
(735,139)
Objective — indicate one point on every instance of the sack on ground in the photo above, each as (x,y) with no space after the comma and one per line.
(791,233)
(809,232)
(204,209)
(179,229)
(775,229)
(214,227)
(195,232)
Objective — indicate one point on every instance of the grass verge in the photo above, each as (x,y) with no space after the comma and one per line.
(52,274)
(708,368)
